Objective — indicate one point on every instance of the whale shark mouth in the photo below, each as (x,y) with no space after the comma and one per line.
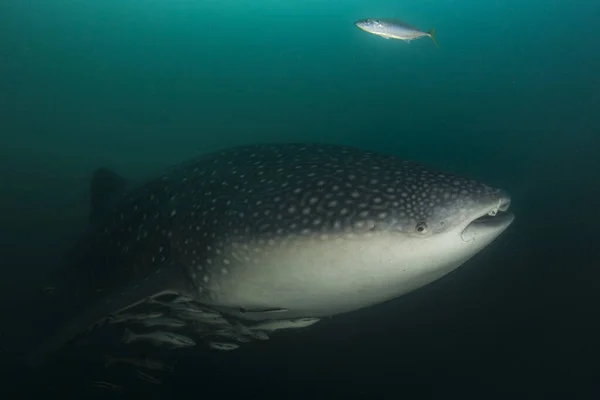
(499,218)
(496,218)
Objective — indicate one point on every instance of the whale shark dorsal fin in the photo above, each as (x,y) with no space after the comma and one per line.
(105,186)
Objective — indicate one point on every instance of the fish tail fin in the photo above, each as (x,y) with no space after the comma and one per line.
(431,34)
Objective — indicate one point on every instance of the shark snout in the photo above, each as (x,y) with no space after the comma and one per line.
(494,218)
(504,200)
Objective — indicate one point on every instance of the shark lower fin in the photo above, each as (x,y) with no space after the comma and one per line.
(168,280)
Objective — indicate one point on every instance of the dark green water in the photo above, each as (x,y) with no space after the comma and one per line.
(511,98)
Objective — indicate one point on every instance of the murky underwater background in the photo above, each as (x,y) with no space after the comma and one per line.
(510,98)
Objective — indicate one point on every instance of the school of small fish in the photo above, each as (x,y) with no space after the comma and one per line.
(181,322)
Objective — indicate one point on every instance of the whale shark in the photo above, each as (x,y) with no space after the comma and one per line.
(272,232)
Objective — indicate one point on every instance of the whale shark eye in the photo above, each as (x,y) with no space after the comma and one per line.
(421,227)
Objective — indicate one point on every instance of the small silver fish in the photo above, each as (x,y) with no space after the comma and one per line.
(148,378)
(117,319)
(389,28)
(182,299)
(142,362)
(177,306)
(209,325)
(49,290)
(107,385)
(168,339)
(253,334)
(199,316)
(222,346)
(168,322)
(260,335)
(230,334)
(274,325)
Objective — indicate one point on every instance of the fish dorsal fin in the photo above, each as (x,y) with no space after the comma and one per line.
(105,186)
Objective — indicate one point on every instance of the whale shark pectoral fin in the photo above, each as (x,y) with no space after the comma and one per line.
(169,280)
